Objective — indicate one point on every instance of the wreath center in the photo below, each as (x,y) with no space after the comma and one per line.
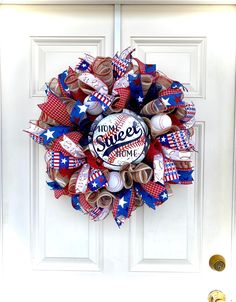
(118,139)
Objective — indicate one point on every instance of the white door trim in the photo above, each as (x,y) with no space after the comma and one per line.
(1,178)
(117,28)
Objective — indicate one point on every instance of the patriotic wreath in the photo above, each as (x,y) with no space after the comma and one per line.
(117,133)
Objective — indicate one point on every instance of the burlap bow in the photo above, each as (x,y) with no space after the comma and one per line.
(102,68)
(101,199)
(141,173)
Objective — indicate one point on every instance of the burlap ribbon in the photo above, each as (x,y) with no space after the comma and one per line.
(102,68)
(112,108)
(141,173)
(138,201)
(54,86)
(153,107)
(72,82)
(45,120)
(183,164)
(55,175)
(163,80)
(101,199)
(146,81)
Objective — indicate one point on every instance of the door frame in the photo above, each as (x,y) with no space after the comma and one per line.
(119,2)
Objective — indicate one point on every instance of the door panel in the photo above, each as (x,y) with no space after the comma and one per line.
(52,252)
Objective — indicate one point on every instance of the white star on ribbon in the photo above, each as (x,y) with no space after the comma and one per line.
(94,184)
(163,139)
(84,65)
(140,99)
(63,161)
(166,101)
(49,134)
(122,202)
(164,195)
(103,107)
(82,108)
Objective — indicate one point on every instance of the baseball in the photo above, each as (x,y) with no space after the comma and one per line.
(94,108)
(161,122)
(115,183)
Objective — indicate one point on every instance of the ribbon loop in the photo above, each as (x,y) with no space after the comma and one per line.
(141,173)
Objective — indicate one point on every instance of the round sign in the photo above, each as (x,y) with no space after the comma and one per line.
(119,139)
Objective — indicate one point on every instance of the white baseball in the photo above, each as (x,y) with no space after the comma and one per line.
(115,183)
(161,122)
(94,108)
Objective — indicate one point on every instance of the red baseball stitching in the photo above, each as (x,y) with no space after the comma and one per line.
(137,143)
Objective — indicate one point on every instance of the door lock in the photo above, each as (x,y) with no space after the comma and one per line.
(216,296)
(217,263)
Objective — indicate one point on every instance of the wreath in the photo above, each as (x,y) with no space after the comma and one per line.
(117,133)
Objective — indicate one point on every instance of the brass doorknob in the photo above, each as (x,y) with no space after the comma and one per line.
(217,263)
(216,296)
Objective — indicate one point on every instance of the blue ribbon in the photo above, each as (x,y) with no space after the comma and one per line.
(136,91)
(148,198)
(150,68)
(54,132)
(123,206)
(93,98)
(78,112)
(177,84)
(54,185)
(185,175)
(61,77)
(97,183)
(75,202)
(84,65)
(173,99)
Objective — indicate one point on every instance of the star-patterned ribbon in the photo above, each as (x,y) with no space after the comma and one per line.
(123,205)
(54,132)
(63,87)
(152,193)
(104,100)
(178,140)
(78,112)
(96,180)
(136,91)
(57,160)
(172,98)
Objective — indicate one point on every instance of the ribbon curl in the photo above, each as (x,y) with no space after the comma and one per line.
(141,173)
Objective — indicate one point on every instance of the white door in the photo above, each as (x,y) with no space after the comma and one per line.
(53,253)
